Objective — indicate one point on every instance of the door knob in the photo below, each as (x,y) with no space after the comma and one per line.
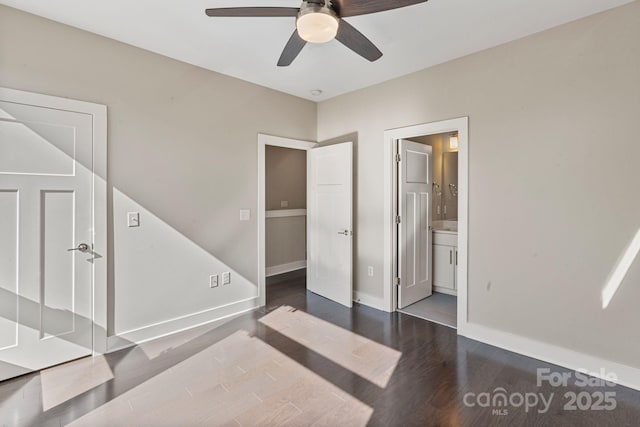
(344,233)
(82,247)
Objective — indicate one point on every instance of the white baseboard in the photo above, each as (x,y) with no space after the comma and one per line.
(447,291)
(627,375)
(285,268)
(369,301)
(179,324)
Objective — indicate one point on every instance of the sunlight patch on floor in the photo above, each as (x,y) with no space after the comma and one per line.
(64,382)
(620,271)
(159,346)
(240,380)
(362,356)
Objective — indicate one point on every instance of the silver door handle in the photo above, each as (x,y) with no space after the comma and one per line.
(344,233)
(82,247)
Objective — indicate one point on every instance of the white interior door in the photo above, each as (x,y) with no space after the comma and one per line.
(330,222)
(414,229)
(45,210)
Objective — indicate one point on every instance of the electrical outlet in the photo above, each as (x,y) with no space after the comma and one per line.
(370,271)
(213,281)
(284,204)
(245,214)
(226,278)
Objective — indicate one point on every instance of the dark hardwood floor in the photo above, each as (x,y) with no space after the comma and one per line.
(437,380)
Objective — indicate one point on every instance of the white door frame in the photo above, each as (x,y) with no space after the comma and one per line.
(99,197)
(461,125)
(263,141)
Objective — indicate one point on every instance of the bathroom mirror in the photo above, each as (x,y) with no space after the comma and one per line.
(449,189)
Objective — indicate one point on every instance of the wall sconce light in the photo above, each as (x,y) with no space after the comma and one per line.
(453,141)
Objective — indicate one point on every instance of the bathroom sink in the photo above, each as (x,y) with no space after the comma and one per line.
(444,225)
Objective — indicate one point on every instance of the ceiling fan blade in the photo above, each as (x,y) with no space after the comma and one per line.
(291,50)
(357,42)
(252,11)
(346,8)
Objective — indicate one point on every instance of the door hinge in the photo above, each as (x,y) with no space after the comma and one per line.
(398,219)
(398,157)
(396,281)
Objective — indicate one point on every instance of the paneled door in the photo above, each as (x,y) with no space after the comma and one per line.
(414,228)
(330,222)
(45,237)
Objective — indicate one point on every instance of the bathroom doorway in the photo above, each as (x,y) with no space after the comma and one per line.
(435,217)
(437,236)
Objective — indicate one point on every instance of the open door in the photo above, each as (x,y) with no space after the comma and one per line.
(414,225)
(46,236)
(330,222)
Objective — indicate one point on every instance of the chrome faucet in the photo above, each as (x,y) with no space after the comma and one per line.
(436,188)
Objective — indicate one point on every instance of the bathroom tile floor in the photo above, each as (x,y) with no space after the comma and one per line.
(439,308)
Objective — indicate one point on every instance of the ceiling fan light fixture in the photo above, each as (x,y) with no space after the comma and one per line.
(317,24)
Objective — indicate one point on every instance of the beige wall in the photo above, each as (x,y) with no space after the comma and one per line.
(182,150)
(285,177)
(550,212)
(285,240)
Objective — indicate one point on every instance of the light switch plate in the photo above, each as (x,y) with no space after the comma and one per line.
(226,278)
(245,214)
(133,219)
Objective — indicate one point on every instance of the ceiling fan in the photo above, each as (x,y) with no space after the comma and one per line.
(320,21)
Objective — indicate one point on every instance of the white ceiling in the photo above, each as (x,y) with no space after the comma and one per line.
(411,38)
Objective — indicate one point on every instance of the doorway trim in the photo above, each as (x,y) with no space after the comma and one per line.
(263,141)
(98,114)
(461,125)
